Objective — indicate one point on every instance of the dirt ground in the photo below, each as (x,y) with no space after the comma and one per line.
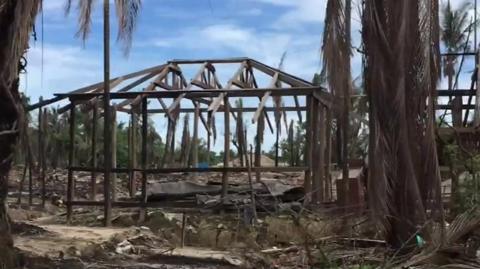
(288,237)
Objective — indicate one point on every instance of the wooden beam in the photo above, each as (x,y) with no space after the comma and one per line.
(171,170)
(283,77)
(213,61)
(264,99)
(150,88)
(197,76)
(204,93)
(218,100)
(234,110)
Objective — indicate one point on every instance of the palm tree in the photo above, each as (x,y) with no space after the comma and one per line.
(402,52)
(16,21)
(455,31)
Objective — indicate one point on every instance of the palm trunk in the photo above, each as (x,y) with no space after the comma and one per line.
(16,18)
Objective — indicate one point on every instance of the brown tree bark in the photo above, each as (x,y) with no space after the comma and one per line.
(16,18)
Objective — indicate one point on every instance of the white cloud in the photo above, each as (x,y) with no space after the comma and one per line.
(227,40)
(64,68)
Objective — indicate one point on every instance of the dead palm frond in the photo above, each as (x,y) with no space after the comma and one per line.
(454,248)
(402,68)
(127,14)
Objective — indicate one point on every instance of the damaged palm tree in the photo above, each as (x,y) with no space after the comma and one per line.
(336,68)
(16,21)
(401,40)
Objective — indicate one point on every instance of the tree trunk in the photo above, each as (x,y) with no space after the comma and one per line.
(16,18)
(400,82)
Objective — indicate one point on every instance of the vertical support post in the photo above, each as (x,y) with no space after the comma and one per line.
(106,106)
(71,153)
(226,148)
(328,155)
(316,151)
(143,212)
(114,154)
(321,153)
(258,145)
(130,153)
(93,180)
(30,175)
(307,184)
(40,142)
(195,136)
(44,155)
(134,128)
(277,138)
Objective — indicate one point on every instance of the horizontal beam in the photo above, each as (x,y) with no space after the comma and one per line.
(212,61)
(458,54)
(194,169)
(233,109)
(294,91)
(450,106)
(455,92)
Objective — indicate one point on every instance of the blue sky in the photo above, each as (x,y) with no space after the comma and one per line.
(170,29)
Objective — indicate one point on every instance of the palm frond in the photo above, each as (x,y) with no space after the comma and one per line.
(402,69)
(85,8)
(127,14)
